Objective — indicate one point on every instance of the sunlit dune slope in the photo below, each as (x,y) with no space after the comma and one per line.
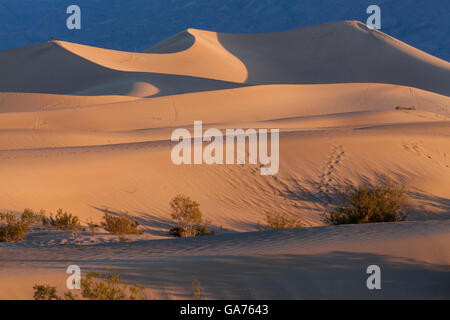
(247,104)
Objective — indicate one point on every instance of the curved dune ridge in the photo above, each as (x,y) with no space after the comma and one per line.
(88,129)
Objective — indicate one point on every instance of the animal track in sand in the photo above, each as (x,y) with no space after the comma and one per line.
(422,150)
(329,171)
(38,122)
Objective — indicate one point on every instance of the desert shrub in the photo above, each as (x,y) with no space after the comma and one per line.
(92,227)
(13,228)
(136,292)
(7,218)
(13,231)
(197,290)
(197,231)
(120,225)
(62,220)
(189,217)
(106,289)
(108,286)
(123,239)
(29,216)
(369,203)
(276,221)
(95,286)
(45,292)
(405,108)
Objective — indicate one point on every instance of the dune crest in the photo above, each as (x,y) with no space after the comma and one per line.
(199,60)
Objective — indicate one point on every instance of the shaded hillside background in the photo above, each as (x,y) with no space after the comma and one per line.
(129,24)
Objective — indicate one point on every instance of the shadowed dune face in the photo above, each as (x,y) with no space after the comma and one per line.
(335,275)
(342,52)
(179,42)
(47,68)
(312,263)
(52,69)
(146,85)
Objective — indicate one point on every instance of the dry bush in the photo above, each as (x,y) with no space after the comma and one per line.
(13,228)
(405,108)
(92,227)
(277,221)
(62,221)
(120,225)
(123,239)
(369,203)
(7,218)
(30,217)
(197,290)
(196,231)
(108,286)
(189,217)
(95,286)
(45,292)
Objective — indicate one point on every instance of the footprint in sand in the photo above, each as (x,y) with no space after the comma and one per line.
(327,177)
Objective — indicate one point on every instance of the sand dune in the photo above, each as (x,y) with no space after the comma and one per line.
(247,104)
(86,129)
(32,69)
(198,60)
(341,52)
(86,179)
(27,102)
(344,52)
